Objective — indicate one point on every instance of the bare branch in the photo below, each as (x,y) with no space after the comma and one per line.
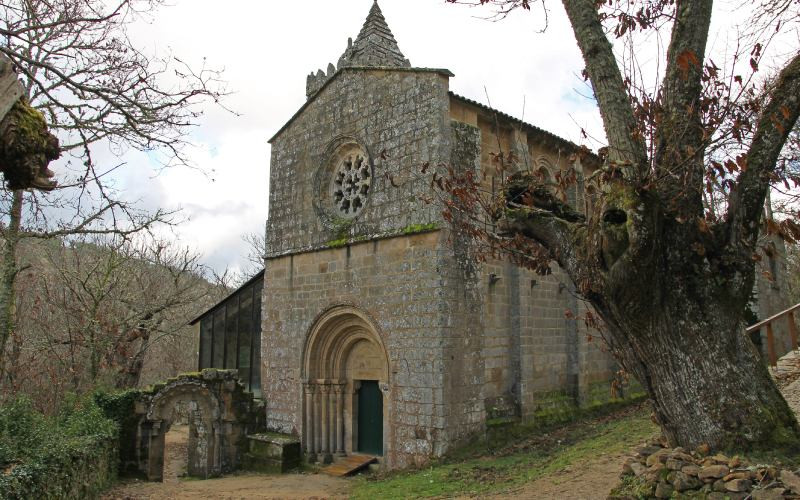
(775,123)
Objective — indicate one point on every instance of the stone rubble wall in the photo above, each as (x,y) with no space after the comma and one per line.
(658,472)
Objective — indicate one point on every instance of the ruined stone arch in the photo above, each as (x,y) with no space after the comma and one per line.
(193,400)
(343,350)
(219,413)
(163,403)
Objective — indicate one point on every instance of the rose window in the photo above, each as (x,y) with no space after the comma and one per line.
(351,184)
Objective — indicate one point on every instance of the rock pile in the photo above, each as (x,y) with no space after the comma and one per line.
(661,472)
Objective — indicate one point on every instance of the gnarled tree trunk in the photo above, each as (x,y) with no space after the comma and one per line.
(672,298)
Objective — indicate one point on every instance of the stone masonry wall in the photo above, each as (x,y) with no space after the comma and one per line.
(772,291)
(463,333)
(535,358)
(395,281)
(399,116)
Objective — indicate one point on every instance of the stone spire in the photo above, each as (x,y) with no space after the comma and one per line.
(375,45)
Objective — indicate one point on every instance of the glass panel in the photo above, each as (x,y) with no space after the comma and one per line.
(255,381)
(230,333)
(218,359)
(245,334)
(205,342)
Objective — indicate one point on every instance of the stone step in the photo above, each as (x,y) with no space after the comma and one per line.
(271,453)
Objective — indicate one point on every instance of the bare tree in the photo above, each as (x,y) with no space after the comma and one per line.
(668,273)
(95,311)
(257,250)
(95,89)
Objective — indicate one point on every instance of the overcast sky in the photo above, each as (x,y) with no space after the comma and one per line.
(267,48)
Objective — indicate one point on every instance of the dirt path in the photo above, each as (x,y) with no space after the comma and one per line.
(239,486)
(176,453)
(589,480)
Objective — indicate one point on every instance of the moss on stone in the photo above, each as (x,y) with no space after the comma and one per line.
(337,243)
(341,226)
(419,228)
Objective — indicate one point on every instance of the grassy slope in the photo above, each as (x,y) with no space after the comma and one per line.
(525,460)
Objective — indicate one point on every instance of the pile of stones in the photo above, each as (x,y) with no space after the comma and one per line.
(676,472)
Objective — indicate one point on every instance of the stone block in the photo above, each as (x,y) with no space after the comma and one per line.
(272,453)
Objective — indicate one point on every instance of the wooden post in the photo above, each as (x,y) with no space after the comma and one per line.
(773,359)
(793,330)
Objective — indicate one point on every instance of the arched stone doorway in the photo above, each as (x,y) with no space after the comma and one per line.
(192,402)
(346,380)
(219,414)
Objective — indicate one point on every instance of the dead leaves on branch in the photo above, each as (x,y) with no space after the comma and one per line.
(787,229)
(686,61)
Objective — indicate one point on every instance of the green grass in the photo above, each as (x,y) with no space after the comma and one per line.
(529,459)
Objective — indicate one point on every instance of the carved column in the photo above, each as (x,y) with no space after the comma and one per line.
(308,435)
(339,413)
(326,423)
(316,420)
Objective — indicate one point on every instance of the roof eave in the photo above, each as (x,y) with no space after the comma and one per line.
(532,128)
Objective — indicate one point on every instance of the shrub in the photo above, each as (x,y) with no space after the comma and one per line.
(119,407)
(70,455)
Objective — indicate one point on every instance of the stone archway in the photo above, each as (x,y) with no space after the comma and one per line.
(218,411)
(343,350)
(192,400)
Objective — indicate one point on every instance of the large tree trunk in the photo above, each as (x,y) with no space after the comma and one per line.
(672,295)
(705,378)
(670,284)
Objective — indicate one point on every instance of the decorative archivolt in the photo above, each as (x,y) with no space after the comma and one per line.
(326,388)
(544,169)
(331,340)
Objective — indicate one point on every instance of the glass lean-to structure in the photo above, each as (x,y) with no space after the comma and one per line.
(230,334)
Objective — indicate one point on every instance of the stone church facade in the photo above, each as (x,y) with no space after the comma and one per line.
(378,331)
(381,333)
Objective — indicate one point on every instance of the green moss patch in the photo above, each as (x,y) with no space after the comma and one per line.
(419,228)
(525,458)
